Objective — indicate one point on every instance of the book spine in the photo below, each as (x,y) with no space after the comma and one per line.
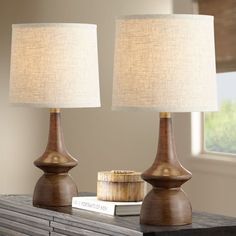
(94,206)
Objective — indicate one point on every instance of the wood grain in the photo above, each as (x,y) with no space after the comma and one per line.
(23,228)
(120,186)
(55,187)
(166,203)
(25,219)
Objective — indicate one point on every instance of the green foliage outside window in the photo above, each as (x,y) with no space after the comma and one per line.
(220,129)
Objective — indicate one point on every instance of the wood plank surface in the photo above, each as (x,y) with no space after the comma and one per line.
(109,225)
(23,204)
(69,221)
(57,234)
(9,232)
(73,231)
(25,219)
(22,228)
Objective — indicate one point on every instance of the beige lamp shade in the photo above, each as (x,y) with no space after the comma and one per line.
(54,65)
(165,63)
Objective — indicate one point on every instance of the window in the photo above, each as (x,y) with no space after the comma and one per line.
(220,127)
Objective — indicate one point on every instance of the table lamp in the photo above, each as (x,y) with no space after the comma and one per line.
(54,66)
(165,63)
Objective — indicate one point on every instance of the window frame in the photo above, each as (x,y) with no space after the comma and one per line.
(203,161)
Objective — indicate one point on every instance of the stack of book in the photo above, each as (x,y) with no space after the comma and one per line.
(106,207)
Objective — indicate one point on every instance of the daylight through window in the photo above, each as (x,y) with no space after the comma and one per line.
(220,127)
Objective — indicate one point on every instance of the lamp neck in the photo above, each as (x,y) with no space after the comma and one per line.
(166,145)
(55,137)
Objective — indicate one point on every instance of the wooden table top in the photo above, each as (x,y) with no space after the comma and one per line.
(203,223)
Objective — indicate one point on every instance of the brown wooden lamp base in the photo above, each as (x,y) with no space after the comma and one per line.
(166,207)
(56,187)
(53,190)
(166,203)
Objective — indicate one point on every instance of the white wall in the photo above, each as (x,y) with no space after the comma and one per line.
(102,139)
(22,130)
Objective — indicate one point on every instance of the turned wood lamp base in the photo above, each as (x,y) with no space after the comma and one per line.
(54,190)
(56,187)
(166,203)
(166,207)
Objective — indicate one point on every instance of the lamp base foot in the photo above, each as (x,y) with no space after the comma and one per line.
(54,190)
(166,207)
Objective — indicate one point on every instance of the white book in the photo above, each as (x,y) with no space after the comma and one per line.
(106,207)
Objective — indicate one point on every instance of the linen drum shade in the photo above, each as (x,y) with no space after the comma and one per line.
(55,65)
(165,63)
